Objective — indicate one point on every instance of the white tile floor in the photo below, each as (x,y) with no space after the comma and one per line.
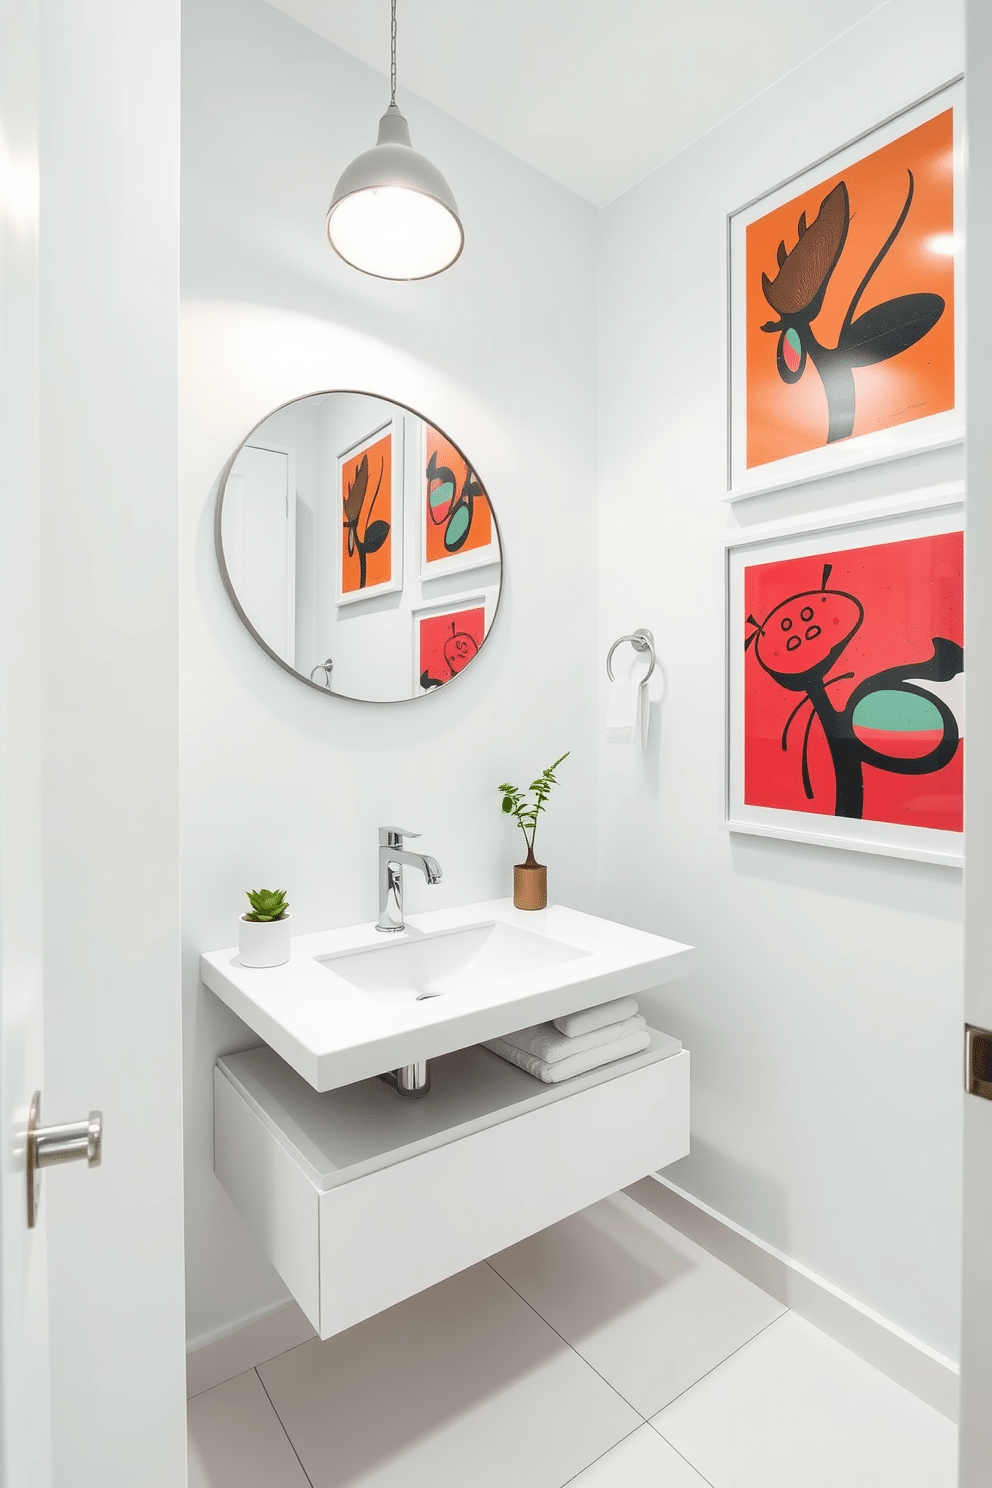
(606,1352)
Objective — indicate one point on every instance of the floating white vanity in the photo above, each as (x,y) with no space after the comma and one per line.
(360,1197)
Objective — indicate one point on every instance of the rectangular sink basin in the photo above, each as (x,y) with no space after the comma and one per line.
(448,962)
(352,1003)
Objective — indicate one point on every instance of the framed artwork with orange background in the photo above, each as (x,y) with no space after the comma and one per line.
(846,681)
(846,295)
(457,527)
(370,532)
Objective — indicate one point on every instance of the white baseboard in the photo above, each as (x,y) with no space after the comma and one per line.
(217,1358)
(913,1364)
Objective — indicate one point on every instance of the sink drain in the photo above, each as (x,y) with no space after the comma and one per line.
(426,996)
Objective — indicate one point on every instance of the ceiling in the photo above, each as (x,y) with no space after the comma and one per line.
(594,93)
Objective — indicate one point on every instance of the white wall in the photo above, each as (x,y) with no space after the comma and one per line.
(824,1020)
(109,355)
(284,785)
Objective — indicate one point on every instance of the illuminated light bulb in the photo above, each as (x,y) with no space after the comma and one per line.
(393,214)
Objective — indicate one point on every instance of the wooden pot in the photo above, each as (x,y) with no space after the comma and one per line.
(530,883)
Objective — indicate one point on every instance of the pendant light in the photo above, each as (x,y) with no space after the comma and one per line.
(393,214)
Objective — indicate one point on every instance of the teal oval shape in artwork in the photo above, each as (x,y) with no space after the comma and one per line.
(440,498)
(792,349)
(457,529)
(897,712)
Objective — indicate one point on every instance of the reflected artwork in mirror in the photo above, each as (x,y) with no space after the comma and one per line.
(359,547)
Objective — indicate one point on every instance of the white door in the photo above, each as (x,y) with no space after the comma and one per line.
(24,1416)
(976,1340)
(259,540)
(89,740)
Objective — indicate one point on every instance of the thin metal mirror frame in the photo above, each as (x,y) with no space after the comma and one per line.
(229,586)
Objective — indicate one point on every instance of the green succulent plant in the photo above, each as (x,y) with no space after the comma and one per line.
(517,804)
(267,904)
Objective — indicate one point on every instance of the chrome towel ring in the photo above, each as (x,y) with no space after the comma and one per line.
(325,667)
(641,640)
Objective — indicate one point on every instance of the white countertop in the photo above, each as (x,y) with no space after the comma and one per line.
(333,1034)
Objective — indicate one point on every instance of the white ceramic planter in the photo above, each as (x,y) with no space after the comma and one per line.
(263,942)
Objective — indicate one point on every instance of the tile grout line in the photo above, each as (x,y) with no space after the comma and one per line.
(691,1465)
(258,1365)
(283,1425)
(733,1354)
(575,1351)
(647,1420)
(602,1454)
(668,1442)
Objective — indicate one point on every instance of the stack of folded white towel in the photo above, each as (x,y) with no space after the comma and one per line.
(576,1043)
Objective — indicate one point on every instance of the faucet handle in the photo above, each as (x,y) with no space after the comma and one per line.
(393,836)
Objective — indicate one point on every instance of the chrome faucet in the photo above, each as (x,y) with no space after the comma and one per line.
(392,857)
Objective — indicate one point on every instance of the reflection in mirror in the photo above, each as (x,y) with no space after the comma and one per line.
(359,547)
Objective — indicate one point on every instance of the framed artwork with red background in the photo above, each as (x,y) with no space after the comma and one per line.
(846,681)
(846,343)
(446,637)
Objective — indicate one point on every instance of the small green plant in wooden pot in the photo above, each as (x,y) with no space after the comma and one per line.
(263,932)
(530,878)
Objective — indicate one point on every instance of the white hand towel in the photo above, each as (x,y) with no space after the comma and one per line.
(545,1042)
(622,711)
(574,1024)
(575,1064)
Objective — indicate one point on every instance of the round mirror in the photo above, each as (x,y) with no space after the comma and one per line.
(359,547)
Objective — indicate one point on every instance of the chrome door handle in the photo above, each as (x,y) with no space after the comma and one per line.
(49,1146)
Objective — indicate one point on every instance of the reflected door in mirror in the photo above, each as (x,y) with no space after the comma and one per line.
(259,530)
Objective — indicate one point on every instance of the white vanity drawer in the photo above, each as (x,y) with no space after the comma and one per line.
(361,1198)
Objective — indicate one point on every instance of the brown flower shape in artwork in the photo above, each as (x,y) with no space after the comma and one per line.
(356,492)
(798,290)
(803,274)
(375,533)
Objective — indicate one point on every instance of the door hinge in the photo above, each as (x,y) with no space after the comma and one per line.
(978,1061)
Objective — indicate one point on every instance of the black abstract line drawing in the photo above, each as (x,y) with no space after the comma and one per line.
(459,649)
(801,640)
(375,533)
(797,293)
(446,509)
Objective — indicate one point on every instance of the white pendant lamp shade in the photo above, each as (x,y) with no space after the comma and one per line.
(393,214)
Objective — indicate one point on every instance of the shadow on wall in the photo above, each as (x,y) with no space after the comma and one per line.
(930,889)
(872,483)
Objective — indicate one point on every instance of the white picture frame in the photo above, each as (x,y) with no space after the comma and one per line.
(462,561)
(859,449)
(937,511)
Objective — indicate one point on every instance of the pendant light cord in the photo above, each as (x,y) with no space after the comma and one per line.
(392,67)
